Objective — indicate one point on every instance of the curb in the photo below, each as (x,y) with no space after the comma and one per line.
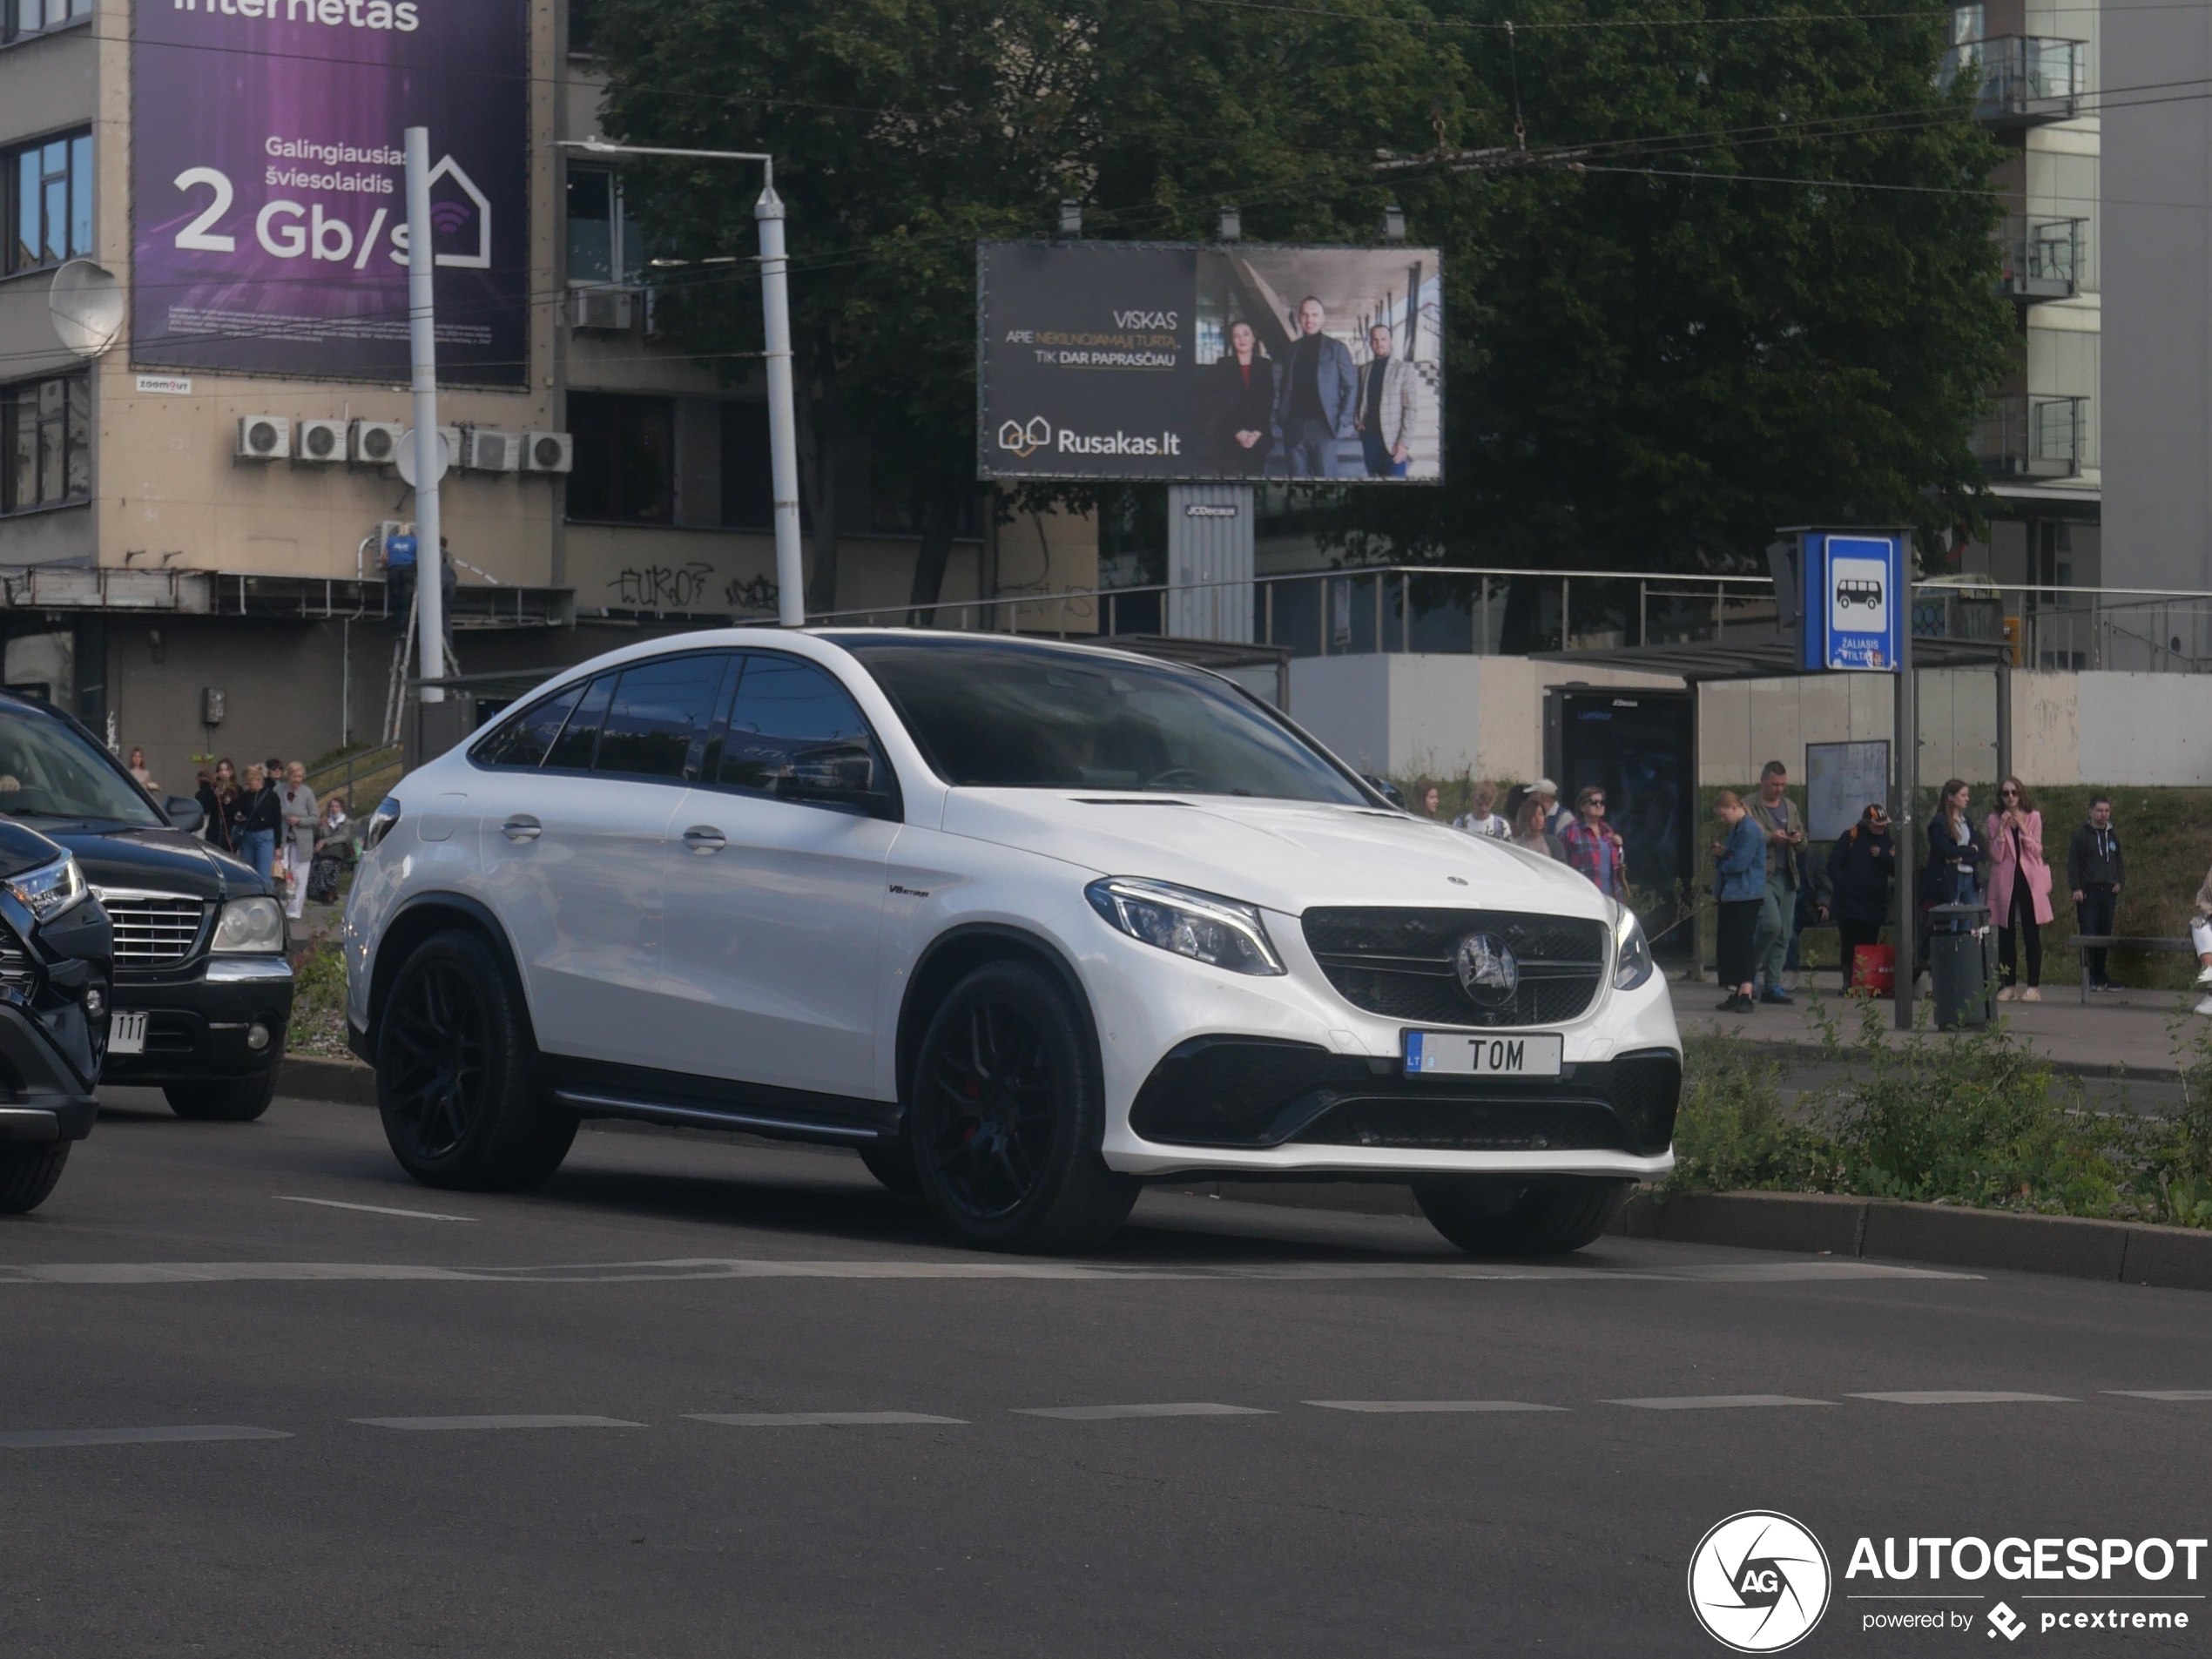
(1812,1054)
(1806,1223)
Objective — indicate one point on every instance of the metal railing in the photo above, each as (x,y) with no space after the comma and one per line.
(2044,258)
(2031,436)
(2025,80)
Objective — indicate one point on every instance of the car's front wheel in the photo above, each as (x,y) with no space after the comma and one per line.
(1006,1112)
(1548,1215)
(228,1100)
(28,1174)
(453,1074)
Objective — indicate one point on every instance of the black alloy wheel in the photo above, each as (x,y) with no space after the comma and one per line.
(453,1074)
(1545,1216)
(1006,1116)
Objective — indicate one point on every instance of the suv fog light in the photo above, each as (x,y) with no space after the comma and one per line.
(95,1000)
(257,1036)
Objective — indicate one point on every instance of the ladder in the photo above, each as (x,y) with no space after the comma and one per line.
(395,686)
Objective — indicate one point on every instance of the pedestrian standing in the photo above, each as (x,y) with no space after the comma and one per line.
(218,798)
(1432,800)
(2201,936)
(299,824)
(2019,886)
(1861,866)
(1557,816)
(1481,817)
(1739,887)
(1594,846)
(1778,819)
(2094,869)
(1529,831)
(259,819)
(140,775)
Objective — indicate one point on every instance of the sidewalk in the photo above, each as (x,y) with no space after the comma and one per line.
(2121,1031)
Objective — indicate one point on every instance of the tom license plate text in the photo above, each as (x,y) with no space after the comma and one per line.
(1464,1053)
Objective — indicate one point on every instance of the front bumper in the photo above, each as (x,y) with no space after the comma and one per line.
(199,1018)
(42,1097)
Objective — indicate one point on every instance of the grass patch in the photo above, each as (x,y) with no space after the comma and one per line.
(319,1002)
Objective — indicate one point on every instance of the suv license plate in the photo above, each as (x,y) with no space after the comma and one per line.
(1461,1054)
(126,1033)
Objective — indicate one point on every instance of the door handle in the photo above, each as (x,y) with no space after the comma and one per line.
(522,827)
(704,839)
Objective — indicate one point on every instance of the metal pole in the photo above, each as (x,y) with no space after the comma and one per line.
(783,421)
(1906,741)
(1405,612)
(423,349)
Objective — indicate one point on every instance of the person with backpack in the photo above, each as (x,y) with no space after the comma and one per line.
(2094,869)
(1861,866)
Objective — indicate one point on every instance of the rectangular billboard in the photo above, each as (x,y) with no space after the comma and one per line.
(268,195)
(1232,361)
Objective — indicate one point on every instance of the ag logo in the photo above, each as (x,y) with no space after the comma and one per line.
(1025,441)
(1758,1582)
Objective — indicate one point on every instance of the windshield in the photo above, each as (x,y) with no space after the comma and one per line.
(1012,715)
(49,771)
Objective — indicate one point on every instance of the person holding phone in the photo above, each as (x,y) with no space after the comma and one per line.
(1783,826)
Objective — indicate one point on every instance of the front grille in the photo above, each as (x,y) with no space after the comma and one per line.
(1399,963)
(1469,1125)
(153,930)
(15,970)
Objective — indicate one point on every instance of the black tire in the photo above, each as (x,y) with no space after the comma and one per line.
(1549,1216)
(891,1163)
(453,1074)
(28,1174)
(1006,1114)
(227,1100)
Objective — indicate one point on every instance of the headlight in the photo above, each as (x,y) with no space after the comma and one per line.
(381,822)
(1219,931)
(50,889)
(1631,952)
(254,925)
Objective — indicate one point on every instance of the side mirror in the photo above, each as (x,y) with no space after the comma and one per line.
(184,812)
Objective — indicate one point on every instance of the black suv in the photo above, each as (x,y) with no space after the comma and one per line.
(203,987)
(55,973)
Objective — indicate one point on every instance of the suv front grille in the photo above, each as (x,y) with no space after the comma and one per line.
(155,930)
(1399,963)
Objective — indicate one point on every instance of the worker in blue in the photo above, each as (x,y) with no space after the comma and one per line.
(399,570)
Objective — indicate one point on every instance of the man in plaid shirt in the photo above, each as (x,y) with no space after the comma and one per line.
(1592,847)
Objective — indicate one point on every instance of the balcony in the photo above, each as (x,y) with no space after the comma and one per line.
(2043,258)
(2025,436)
(2026,80)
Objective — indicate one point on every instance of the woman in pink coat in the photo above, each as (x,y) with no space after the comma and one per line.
(2020,885)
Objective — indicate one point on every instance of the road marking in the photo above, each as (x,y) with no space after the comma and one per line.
(374,1209)
(428,1424)
(1715,1402)
(1100,1413)
(1432,1405)
(2160,1393)
(815,1419)
(1967,1397)
(32,1437)
(721,1267)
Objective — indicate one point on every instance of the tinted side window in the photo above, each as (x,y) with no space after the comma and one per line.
(787,712)
(572,751)
(658,709)
(524,741)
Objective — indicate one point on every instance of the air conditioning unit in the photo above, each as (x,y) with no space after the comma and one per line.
(607,309)
(264,437)
(548,452)
(374,443)
(320,441)
(492,451)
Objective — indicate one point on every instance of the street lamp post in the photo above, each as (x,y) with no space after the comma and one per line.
(775,308)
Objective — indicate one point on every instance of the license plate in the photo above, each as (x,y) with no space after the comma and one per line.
(1463,1054)
(126,1033)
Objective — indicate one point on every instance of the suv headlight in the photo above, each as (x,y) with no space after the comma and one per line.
(1218,932)
(48,890)
(1631,952)
(381,822)
(250,925)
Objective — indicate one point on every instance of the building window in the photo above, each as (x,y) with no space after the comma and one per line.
(584,27)
(19,18)
(602,248)
(49,186)
(45,444)
(748,493)
(626,459)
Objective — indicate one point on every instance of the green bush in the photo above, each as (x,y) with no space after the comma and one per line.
(1733,1129)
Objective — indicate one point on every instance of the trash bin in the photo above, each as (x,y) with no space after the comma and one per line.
(1959,951)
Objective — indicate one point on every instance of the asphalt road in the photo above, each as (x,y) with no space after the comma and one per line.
(337,1360)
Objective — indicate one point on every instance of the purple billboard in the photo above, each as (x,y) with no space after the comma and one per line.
(269,195)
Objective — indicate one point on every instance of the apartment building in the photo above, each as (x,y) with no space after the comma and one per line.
(199,508)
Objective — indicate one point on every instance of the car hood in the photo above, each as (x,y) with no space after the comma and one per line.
(158,860)
(1287,856)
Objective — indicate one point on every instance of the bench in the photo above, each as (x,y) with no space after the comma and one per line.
(2086,942)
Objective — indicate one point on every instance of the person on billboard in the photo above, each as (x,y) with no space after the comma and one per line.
(1389,404)
(1242,397)
(1319,400)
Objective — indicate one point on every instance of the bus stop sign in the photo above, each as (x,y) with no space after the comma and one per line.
(1854,600)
